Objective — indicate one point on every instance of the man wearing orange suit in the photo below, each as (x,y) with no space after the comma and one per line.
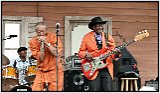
(43,49)
(92,43)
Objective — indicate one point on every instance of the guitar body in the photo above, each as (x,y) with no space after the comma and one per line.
(90,67)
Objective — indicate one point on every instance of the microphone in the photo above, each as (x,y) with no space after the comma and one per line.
(57,27)
(42,47)
(12,36)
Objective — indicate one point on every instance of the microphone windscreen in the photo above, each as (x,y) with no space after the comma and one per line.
(57,25)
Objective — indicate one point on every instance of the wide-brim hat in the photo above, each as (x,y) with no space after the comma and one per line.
(96,20)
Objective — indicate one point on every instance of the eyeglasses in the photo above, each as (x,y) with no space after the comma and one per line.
(99,25)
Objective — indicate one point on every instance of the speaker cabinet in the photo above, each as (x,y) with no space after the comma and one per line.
(75,81)
(126,66)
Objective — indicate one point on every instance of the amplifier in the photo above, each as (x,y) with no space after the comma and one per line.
(73,63)
(76,63)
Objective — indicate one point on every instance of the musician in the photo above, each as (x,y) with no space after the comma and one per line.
(43,49)
(92,43)
(21,63)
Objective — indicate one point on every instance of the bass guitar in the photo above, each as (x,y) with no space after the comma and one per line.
(89,67)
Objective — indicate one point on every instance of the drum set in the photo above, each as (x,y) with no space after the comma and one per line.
(14,80)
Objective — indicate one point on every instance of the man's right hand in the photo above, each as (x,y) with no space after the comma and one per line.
(42,38)
(88,56)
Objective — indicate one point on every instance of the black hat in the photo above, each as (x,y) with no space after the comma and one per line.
(96,20)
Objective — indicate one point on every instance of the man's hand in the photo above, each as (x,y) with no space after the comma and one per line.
(118,53)
(88,56)
(42,54)
(42,38)
(117,50)
(110,44)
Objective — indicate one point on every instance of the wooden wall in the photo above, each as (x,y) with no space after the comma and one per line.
(128,18)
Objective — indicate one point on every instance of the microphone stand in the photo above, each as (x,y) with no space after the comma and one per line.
(46,86)
(57,35)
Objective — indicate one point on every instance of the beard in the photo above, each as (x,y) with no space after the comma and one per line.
(99,31)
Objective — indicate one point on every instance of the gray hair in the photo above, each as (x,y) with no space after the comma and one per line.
(41,24)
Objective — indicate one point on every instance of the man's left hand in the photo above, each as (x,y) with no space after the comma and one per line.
(118,53)
(117,50)
(42,38)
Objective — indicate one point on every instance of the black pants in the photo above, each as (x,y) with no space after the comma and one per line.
(103,81)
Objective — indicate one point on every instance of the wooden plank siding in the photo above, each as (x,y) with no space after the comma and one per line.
(128,18)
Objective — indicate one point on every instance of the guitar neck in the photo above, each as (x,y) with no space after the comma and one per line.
(114,52)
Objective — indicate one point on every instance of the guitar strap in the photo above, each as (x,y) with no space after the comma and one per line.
(106,35)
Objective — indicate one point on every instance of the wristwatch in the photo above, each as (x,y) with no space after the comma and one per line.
(49,44)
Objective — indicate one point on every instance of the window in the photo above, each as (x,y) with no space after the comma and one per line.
(77,36)
(11,44)
(23,27)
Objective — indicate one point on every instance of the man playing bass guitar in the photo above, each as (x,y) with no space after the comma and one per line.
(92,43)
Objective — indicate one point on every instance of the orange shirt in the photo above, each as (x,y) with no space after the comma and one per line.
(49,62)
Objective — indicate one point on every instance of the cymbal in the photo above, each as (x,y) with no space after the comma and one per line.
(5,60)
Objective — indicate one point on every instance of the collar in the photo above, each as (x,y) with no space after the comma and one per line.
(98,36)
(19,60)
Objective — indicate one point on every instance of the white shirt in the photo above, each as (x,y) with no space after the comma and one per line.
(21,67)
(19,63)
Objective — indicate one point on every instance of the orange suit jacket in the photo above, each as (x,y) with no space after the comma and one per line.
(88,44)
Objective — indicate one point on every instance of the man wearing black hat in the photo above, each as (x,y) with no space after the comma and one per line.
(92,43)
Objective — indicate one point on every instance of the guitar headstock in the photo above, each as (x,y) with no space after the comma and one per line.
(141,35)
